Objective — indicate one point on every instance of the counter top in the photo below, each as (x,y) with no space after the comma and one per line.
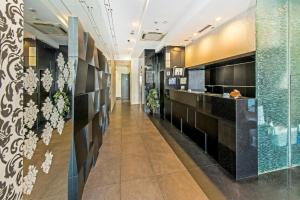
(212,95)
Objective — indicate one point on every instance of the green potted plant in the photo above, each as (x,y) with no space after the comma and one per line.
(66,109)
(152,101)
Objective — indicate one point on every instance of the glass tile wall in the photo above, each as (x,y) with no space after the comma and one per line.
(294,45)
(278,83)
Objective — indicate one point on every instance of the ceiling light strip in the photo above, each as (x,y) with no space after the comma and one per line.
(88,10)
(145,8)
(110,18)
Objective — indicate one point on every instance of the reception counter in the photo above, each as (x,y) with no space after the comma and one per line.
(224,127)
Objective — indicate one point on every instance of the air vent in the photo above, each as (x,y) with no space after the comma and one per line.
(49,28)
(152,36)
(206,27)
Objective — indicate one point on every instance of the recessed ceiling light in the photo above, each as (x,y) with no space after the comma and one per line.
(32,10)
(132,40)
(157,29)
(195,34)
(186,40)
(135,24)
(164,22)
(218,19)
(155,22)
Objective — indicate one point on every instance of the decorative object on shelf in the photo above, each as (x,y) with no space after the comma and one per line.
(62,100)
(30,81)
(152,101)
(235,94)
(29,180)
(30,114)
(30,144)
(47,133)
(47,163)
(47,108)
(47,80)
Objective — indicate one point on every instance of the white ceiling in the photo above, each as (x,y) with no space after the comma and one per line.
(177,19)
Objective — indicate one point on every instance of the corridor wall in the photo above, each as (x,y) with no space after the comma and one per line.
(91,104)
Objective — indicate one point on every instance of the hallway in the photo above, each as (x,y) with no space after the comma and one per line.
(136,163)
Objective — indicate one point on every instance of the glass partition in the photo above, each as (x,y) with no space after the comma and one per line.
(278,83)
(294,43)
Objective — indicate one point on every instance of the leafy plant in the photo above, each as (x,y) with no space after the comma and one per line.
(152,100)
(66,100)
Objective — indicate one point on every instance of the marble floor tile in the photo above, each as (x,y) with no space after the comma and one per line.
(109,192)
(141,189)
(135,167)
(106,172)
(180,186)
(133,159)
(165,163)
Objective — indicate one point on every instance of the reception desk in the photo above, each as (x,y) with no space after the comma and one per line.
(224,127)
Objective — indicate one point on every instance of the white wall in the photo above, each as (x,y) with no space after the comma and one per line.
(134,82)
(120,70)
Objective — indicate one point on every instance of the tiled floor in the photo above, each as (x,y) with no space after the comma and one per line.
(219,185)
(136,163)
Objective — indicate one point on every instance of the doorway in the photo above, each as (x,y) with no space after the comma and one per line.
(125,87)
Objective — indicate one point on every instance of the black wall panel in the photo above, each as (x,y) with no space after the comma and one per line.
(90,105)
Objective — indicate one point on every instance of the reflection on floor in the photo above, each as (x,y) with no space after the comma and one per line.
(54,185)
(136,163)
(217,184)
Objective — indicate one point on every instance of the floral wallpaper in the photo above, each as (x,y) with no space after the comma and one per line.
(11,98)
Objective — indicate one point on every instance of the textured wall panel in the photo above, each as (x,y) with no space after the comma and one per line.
(294,36)
(272,84)
(11,95)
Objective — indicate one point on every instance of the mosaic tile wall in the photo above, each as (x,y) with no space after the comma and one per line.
(276,68)
(294,46)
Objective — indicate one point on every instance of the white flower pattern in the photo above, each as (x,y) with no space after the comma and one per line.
(60,125)
(66,72)
(47,133)
(30,145)
(47,163)
(29,180)
(30,114)
(60,61)
(60,82)
(52,113)
(47,80)
(54,118)
(47,108)
(30,81)
(60,104)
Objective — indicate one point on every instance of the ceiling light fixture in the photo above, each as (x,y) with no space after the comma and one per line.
(195,34)
(135,24)
(203,29)
(218,19)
